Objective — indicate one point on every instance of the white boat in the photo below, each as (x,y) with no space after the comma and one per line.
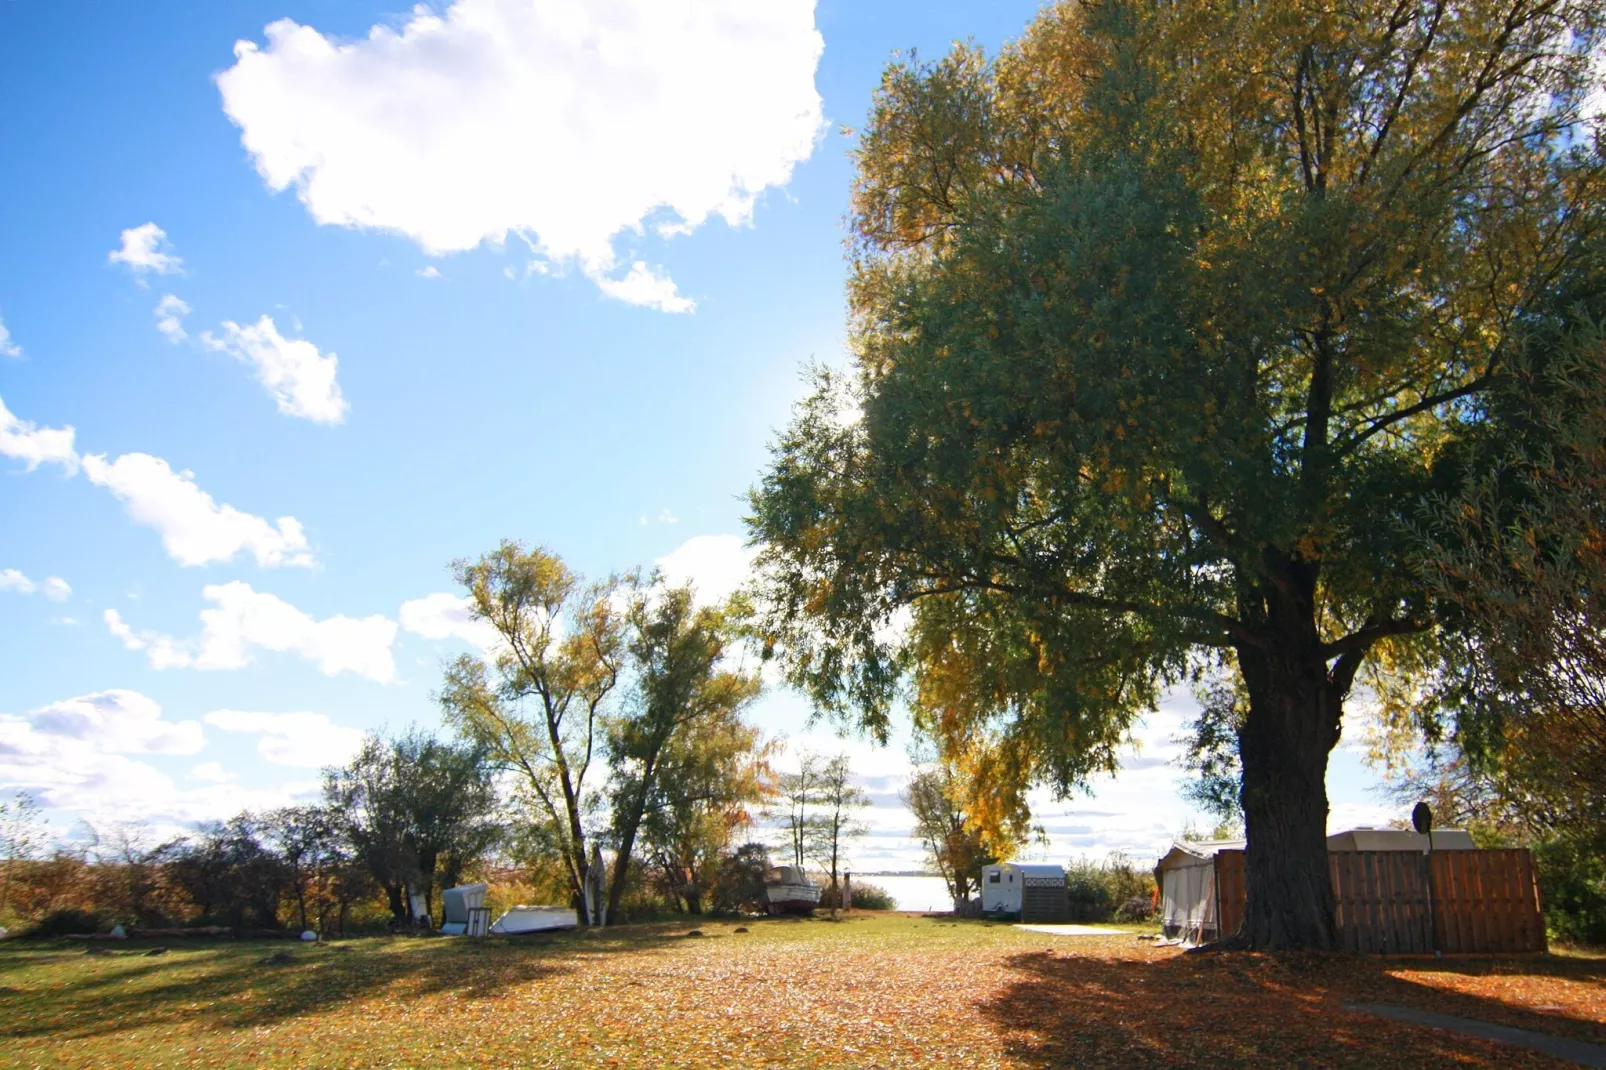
(528,919)
(788,890)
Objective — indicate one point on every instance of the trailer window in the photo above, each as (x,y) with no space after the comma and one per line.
(993,879)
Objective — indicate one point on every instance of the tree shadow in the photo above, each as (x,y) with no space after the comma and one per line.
(225,984)
(1247,1009)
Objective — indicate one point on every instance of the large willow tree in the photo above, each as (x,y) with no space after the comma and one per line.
(1163,321)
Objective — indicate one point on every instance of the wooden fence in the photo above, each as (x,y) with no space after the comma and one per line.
(1402,902)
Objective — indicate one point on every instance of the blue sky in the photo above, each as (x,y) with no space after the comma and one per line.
(417,282)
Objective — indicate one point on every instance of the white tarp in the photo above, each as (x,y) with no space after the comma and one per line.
(456,904)
(1188,900)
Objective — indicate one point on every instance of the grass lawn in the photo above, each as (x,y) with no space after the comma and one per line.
(874,990)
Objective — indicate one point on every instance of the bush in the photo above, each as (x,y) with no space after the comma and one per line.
(1087,891)
(1113,888)
(1572,887)
(867,896)
(1137,908)
(739,880)
(64,922)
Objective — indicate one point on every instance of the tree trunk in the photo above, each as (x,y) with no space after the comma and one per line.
(627,836)
(398,908)
(1292,725)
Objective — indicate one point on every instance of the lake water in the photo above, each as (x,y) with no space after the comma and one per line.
(925,894)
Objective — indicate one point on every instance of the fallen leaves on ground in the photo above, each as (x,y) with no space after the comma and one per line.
(871,991)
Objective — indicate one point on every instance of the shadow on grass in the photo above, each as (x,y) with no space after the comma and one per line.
(224,983)
(1262,1010)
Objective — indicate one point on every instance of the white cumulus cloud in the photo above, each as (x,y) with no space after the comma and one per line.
(74,756)
(565,122)
(300,379)
(195,529)
(34,445)
(309,740)
(241,621)
(170,313)
(145,248)
(8,348)
(120,721)
(446,616)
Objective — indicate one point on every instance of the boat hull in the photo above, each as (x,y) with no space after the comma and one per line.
(791,898)
(522,919)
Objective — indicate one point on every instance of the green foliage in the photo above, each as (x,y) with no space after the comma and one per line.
(867,896)
(1572,888)
(682,759)
(955,846)
(1211,752)
(1114,888)
(739,885)
(1164,320)
(231,876)
(538,711)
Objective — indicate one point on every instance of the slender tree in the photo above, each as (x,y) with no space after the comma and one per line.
(839,801)
(713,774)
(365,798)
(798,792)
(1166,322)
(537,711)
(681,687)
(955,846)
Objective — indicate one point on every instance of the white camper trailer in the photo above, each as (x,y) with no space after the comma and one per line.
(1003,887)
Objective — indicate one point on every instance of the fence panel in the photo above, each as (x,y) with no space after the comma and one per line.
(1402,902)
(1486,901)
(1231,891)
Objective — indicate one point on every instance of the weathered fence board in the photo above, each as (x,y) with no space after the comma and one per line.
(1402,902)
(1231,891)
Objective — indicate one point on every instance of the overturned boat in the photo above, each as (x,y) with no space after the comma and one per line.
(528,919)
(788,890)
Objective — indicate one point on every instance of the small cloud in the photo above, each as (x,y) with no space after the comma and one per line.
(8,348)
(212,772)
(309,740)
(12,580)
(33,445)
(447,616)
(716,565)
(54,588)
(428,272)
(301,380)
(170,313)
(642,286)
(195,529)
(146,249)
(666,517)
(241,621)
